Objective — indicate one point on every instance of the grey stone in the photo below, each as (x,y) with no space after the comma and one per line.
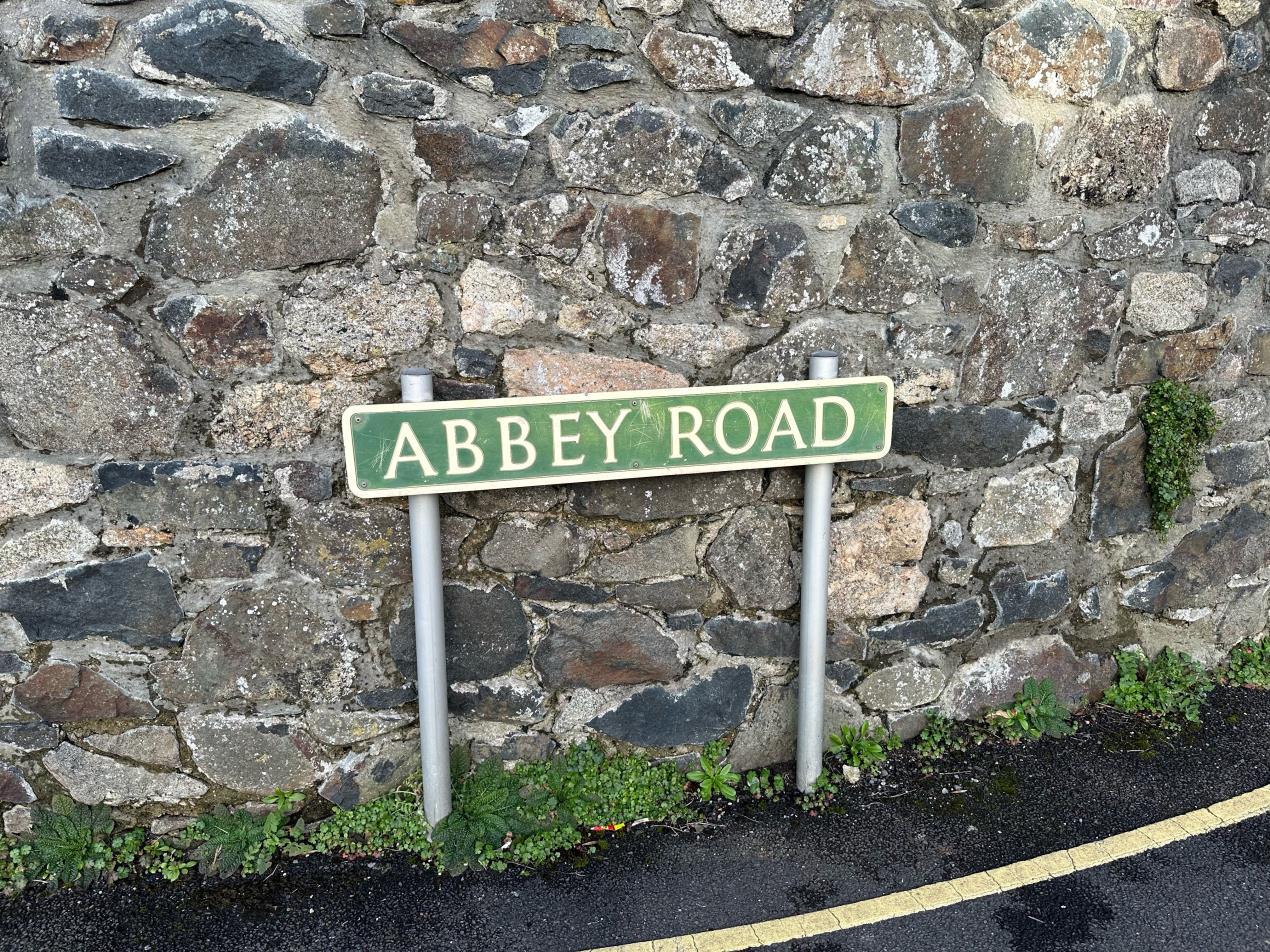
(220,336)
(1230,119)
(1089,417)
(694,62)
(59,355)
(273,643)
(666,596)
(14,788)
(952,224)
(990,682)
(248,753)
(769,268)
(595,74)
(758,638)
(33,552)
(786,357)
(586,36)
(225,45)
(546,548)
(350,546)
(967,437)
(830,162)
(1150,235)
(1054,49)
(1162,301)
(345,322)
(254,211)
(93,778)
(1233,273)
(346,728)
(1115,155)
(540,589)
(99,279)
(1241,224)
(554,225)
(901,687)
(454,151)
(1090,604)
(693,713)
(1027,507)
(754,559)
(938,624)
(1244,51)
(128,599)
(882,270)
(868,577)
(153,746)
(488,55)
(1190,53)
(506,698)
(770,735)
(63,38)
(95,95)
(1035,335)
(61,691)
(184,495)
(1237,464)
(1021,599)
(383,94)
(359,778)
(32,227)
(643,147)
(602,647)
(670,553)
(486,633)
(28,737)
(1197,573)
(1044,234)
(651,254)
(961,148)
(1178,356)
(751,118)
(772,17)
(874,52)
(336,18)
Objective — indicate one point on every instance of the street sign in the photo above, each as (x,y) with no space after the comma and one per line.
(421,448)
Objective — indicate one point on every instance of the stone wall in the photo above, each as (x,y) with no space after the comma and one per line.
(221,223)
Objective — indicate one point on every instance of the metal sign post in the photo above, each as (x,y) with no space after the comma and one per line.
(817,493)
(433,686)
(419,448)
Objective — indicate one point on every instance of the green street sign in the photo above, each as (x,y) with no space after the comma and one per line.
(411,448)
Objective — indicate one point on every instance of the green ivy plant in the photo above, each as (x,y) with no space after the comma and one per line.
(1250,664)
(714,774)
(1170,687)
(863,746)
(1178,422)
(1036,712)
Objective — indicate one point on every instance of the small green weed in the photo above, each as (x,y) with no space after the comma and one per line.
(1036,712)
(234,842)
(1178,422)
(15,866)
(490,808)
(821,794)
(391,823)
(1170,687)
(70,842)
(940,737)
(863,746)
(763,784)
(714,774)
(1250,664)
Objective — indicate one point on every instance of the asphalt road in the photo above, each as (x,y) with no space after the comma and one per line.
(992,806)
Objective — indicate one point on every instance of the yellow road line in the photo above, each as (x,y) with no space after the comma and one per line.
(964,888)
